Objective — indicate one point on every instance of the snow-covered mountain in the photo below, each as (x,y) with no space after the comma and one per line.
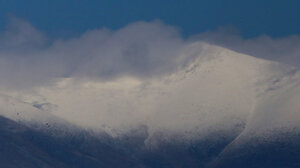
(208,112)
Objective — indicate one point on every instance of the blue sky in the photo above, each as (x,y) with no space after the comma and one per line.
(63,18)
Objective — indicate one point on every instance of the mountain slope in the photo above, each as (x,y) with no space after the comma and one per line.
(22,146)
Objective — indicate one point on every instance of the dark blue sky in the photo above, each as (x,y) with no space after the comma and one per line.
(275,18)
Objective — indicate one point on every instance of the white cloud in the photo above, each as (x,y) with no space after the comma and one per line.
(140,49)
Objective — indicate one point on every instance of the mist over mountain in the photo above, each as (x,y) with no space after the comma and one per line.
(142,96)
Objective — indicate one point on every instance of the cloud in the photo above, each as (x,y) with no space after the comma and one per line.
(20,36)
(141,49)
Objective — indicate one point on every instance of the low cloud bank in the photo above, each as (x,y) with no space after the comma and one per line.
(141,49)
